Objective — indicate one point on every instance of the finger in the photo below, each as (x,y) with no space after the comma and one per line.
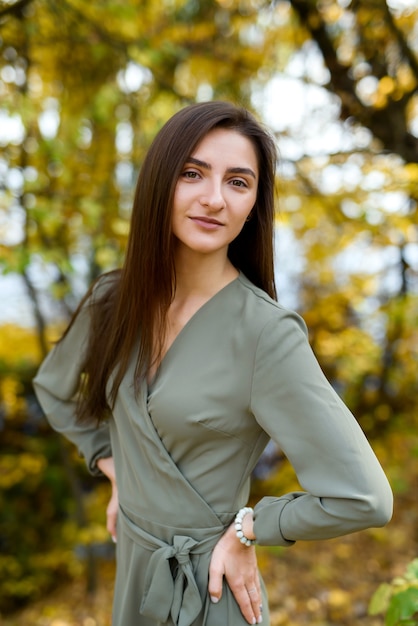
(111,521)
(215,582)
(254,594)
(111,526)
(243,599)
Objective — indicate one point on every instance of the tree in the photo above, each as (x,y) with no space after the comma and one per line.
(372,66)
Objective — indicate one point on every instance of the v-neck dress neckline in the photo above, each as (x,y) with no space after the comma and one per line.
(183,331)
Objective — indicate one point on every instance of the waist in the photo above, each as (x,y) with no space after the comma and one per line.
(143,530)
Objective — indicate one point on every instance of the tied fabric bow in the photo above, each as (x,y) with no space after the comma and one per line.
(163,594)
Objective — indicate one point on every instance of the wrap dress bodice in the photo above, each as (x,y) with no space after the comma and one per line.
(241,372)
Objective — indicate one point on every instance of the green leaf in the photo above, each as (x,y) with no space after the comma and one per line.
(412,570)
(403,606)
(380,599)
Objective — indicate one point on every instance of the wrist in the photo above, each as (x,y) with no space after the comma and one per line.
(107,467)
(243,524)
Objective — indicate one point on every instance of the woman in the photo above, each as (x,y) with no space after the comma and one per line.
(184,366)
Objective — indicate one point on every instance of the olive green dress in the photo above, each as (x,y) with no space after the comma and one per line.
(240,373)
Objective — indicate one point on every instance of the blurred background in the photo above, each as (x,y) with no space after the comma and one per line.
(84,87)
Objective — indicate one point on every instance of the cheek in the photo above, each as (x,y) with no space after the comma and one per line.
(180,198)
(178,202)
(246,208)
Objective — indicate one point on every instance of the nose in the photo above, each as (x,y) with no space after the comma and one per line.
(212,196)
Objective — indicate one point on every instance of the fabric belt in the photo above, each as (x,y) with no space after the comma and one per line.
(171,591)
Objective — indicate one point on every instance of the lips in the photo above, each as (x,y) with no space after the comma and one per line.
(206,220)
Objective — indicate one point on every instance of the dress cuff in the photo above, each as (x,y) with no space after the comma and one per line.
(267,517)
(96,446)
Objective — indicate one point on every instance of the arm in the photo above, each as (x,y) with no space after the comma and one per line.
(345,489)
(56,385)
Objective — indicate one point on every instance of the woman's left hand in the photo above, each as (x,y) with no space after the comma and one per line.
(107,467)
(238,563)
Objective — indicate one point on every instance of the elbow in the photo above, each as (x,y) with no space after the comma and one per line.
(375,510)
(383,511)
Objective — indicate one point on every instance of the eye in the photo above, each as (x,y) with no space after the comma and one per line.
(238,182)
(190,174)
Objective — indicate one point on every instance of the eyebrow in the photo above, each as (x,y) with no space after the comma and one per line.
(230,170)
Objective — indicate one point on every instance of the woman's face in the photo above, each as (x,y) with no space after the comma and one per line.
(215,192)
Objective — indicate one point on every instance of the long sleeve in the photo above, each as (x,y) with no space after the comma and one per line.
(56,384)
(345,488)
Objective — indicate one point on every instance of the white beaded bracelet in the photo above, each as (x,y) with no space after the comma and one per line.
(238,526)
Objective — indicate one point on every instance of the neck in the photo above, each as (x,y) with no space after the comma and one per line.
(202,274)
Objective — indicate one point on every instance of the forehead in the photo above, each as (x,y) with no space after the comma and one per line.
(227,145)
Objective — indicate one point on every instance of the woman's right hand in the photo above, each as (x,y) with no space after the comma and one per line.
(107,467)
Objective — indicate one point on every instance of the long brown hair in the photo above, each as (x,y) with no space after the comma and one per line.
(136,302)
